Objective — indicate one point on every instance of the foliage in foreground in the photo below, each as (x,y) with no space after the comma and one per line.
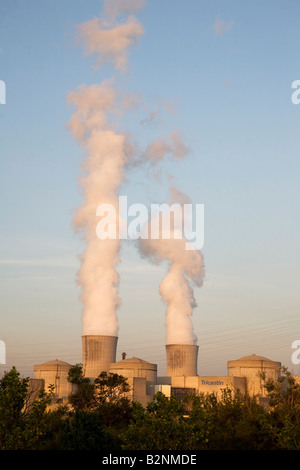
(101,417)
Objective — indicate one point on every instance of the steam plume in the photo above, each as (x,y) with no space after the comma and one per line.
(107,153)
(111,44)
(185,268)
(159,149)
(104,171)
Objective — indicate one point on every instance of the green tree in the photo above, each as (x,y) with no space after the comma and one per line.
(201,411)
(106,389)
(230,421)
(106,397)
(83,397)
(110,388)
(284,402)
(113,405)
(84,431)
(201,422)
(240,423)
(22,419)
(13,393)
(52,428)
(160,426)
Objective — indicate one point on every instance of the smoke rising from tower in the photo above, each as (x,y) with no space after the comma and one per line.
(104,172)
(107,153)
(185,269)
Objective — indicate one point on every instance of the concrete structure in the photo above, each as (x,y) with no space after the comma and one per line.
(205,384)
(54,373)
(141,377)
(98,352)
(35,386)
(181,386)
(181,360)
(251,367)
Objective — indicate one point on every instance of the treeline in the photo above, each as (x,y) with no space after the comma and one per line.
(100,417)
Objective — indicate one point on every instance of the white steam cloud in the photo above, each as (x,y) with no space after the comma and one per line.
(109,153)
(185,270)
(104,172)
(157,150)
(110,43)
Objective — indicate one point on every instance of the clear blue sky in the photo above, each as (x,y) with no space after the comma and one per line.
(226,67)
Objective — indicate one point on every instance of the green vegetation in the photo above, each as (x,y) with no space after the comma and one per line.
(101,417)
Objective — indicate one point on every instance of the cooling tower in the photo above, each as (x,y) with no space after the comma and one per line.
(98,352)
(181,360)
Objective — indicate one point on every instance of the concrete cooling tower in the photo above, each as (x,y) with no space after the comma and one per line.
(181,360)
(98,352)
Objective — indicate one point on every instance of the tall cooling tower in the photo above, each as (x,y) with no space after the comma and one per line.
(98,352)
(181,360)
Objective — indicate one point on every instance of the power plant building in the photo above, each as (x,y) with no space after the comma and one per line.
(252,367)
(141,377)
(99,354)
(54,373)
(182,360)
